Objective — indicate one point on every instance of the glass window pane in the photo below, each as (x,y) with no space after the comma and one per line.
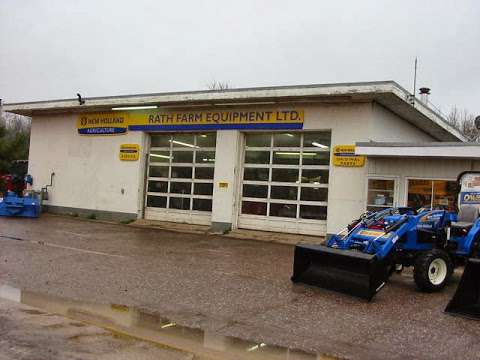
(286,157)
(159,156)
(285,175)
(286,140)
(182,156)
(320,140)
(314,194)
(183,140)
(156,201)
(202,204)
(258,140)
(205,157)
(158,171)
(203,189)
(284,192)
(181,187)
(257,157)
(257,174)
(181,172)
(204,173)
(258,191)
(254,208)
(419,193)
(444,194)
(158,186)
(316,158)
(315,176)
(180,203)
(207,140)
(283,210)
(160,141)
(313,212)
(380,192)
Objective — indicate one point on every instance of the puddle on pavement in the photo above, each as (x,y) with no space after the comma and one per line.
(152,327)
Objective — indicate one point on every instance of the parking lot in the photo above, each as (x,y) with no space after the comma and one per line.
(230,287)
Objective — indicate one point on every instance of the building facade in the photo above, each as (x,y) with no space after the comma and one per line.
(300,159)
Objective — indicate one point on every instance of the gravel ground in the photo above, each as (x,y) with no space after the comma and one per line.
(232,287)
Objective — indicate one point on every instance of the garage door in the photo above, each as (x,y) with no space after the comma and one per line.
(180,177)
(285,182)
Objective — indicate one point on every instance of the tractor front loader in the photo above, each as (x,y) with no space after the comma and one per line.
(359,259)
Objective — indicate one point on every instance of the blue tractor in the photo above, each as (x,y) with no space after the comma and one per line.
(360,259)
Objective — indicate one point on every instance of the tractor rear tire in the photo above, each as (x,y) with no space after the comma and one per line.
(432,270)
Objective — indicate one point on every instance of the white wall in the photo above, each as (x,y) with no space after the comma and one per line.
(88,172)
(386,126)
(227,158)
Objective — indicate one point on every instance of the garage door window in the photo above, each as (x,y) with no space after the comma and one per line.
(285,175)
(180,171)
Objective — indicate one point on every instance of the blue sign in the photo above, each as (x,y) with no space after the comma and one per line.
(469,197)
(102,131)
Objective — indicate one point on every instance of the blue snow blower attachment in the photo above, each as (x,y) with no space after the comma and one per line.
(14,205)
(355,261)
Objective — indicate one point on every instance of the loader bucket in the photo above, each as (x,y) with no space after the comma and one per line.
(347,271)
(466,301)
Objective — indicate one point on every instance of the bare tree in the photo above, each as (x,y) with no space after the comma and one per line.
(218,85)
(464,122)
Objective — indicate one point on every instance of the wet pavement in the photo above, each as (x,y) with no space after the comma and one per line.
(176,341)
(228,287)
(31,334)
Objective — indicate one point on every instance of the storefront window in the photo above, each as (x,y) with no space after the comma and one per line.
(439,194)
(380,194)
(286,175)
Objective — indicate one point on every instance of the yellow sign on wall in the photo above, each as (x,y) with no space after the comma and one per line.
(117,122)
(344,155)
(129,152)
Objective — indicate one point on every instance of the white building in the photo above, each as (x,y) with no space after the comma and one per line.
(278,158)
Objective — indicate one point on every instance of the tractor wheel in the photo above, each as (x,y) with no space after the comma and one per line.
(432,270)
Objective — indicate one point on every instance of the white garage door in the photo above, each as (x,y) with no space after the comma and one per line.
(285,182)
(180,178)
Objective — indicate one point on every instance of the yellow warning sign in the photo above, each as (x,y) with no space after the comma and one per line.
(129,152)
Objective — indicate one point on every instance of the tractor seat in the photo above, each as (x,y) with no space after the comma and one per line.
(467,215)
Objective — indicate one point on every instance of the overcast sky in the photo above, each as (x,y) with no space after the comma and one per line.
(53,49)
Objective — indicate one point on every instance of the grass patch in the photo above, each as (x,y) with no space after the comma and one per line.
(92,216)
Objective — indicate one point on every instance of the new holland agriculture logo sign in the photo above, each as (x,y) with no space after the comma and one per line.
(118,122)
(344,155)
(102,124)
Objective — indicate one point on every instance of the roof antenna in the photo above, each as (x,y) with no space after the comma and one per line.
(80,99)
